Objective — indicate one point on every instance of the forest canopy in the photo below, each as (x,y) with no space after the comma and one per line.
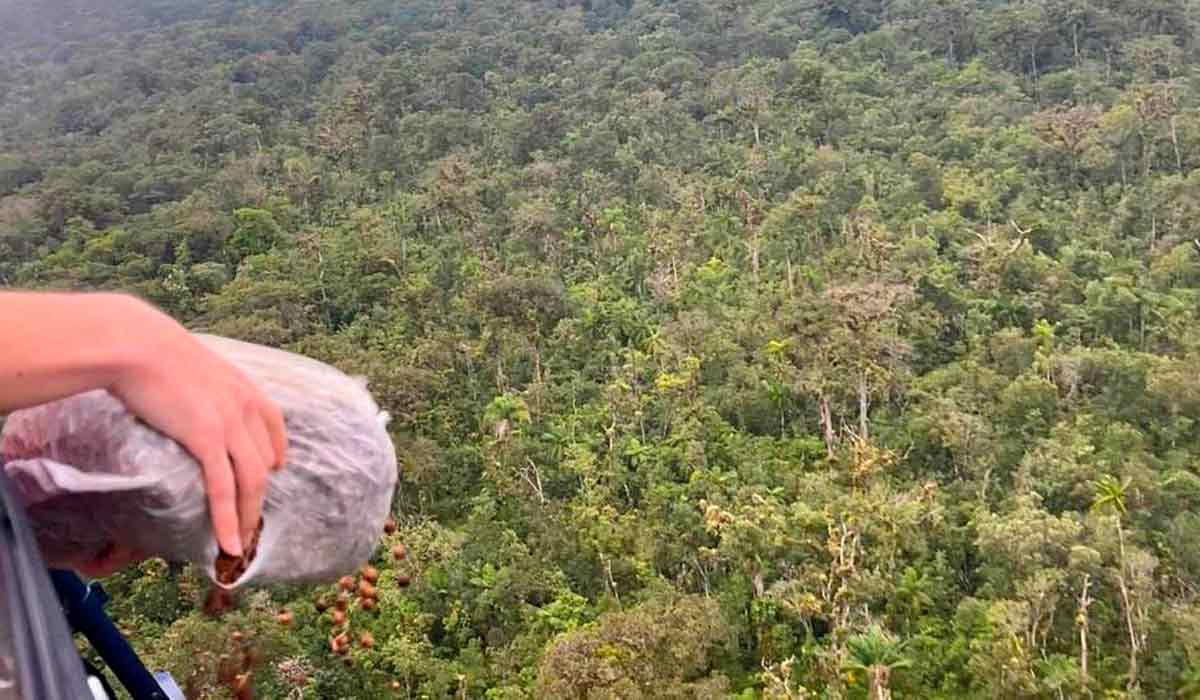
(735,349)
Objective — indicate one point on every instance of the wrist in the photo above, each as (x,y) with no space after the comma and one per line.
(129,331)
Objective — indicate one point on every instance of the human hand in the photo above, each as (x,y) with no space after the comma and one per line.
(186,391)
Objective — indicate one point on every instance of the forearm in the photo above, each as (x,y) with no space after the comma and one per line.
(56,345)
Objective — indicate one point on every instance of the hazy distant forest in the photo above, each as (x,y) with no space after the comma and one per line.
(740,349)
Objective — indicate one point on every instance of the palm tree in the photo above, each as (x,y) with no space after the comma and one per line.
(1110,495)
(876,654)
(301,178)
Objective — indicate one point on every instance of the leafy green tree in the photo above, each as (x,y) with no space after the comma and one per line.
(662,649)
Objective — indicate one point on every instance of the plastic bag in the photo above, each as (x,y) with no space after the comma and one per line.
(91,475)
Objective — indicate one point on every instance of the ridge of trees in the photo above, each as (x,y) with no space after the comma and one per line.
(737,349)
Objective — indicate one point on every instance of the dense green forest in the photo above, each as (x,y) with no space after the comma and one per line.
(735,348)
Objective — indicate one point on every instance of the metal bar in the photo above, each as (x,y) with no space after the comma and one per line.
(84,606)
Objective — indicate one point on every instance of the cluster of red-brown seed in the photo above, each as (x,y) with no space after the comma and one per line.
(356,593)
(350,594)
(235,668)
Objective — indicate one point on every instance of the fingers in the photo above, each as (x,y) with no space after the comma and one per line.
(250,475)
(234,432)
(222,504)
(262,441)
(277,433)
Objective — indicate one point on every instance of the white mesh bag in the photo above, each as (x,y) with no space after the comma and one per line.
(91,475)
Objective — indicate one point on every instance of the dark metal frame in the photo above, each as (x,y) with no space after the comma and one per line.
(84,607)
(46,607)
